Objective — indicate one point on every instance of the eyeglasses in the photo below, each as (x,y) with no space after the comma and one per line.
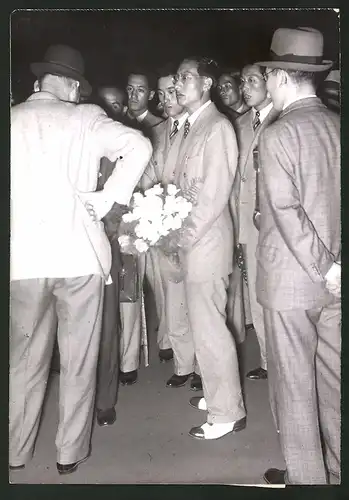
(266,73)
(184,77)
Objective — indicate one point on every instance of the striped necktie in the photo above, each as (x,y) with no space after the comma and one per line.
(186,127)
(174,129)
(256,121)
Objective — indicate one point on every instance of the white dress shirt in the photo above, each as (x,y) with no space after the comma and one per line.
(141,117)
(263,113)
(180,120)
(194,116)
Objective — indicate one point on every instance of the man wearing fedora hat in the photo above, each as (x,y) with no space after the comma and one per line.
(60,256)
(298,260)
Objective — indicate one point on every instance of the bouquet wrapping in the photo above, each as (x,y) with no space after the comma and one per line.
(157,219)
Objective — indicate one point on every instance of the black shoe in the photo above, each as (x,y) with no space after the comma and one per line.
(165,355)
(274,476)
(106,417)
(69,468)
(196,383)
(128,378)
(257,374)
(177,380)
(249,327)
(16,467)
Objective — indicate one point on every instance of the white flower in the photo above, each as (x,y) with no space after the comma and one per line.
(154,191)
(172,190)
(124,240)
(184,209)
(177,222)
(141,245)
(170,205)
(137,199)
(129,217)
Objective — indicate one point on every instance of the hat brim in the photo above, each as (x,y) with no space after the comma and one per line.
(41,68)
(313,68)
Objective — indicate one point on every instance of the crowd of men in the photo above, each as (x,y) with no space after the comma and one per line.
(257,152)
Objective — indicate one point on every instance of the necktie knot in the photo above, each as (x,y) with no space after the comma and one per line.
(256,120)
(186,127)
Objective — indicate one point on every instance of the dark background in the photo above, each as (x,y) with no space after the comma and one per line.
(112,42)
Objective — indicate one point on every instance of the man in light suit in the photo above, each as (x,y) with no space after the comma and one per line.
(298,260)
(170,296)
(248,128)
(60,256)
(140,92)
(205,171)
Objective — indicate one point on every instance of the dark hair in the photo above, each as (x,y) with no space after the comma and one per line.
(166,70)
(206,67)
(234,73)
(150,76)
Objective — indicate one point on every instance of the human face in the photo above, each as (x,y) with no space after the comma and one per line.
(190,86)
(138,93)
(168,97)
(113,99)
(228,90)
(254,87)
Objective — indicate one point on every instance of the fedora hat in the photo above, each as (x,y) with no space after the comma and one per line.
(63,60)
(297,49)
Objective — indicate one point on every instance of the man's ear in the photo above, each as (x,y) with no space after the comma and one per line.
(151,95)
(208,83)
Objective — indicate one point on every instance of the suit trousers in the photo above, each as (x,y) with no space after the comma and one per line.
(215,350)
(304,348)
(130,339)
(35,305)
(158,286)
(256,309)
(108,359)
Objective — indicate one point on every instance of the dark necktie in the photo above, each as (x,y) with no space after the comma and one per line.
(174,129)
(186,127)
(256,121)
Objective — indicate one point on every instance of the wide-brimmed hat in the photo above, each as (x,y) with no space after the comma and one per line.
(297,49)
(63,60)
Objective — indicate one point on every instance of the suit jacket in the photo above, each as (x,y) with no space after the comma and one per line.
(145,126)
(244,191)
(300,234)
(163,165)
(205,170)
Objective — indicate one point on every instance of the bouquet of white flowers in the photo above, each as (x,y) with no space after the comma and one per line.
(156,219)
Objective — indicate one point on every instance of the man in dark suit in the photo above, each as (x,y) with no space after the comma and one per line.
(298,260)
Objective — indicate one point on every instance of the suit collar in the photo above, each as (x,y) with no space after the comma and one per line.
(303,103)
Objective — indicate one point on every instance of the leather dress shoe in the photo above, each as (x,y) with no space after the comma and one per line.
(69,468)
(196,383)
(128,378)
(249,327)
(177,380)
(199,403)
(165,355)
(215,431)
(16,467)
(274,476)
(106,417)
(257,374)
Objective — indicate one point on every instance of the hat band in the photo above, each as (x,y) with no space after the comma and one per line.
(295,59)
(64,65)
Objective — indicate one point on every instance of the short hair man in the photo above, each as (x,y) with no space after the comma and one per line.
(174,330)
(113,100)
(59,255)
(298,260)
(230,94)
(248,127)
(205,171)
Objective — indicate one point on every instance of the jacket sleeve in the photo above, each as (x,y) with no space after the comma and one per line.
(283,198)
(219,167)
(133,151)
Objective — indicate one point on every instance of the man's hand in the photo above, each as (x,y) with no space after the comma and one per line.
(333,280)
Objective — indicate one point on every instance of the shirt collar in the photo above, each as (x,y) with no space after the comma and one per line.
(263,113)
(192,118)
(141,117)
(298,99)
(181,120)
(241,108)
